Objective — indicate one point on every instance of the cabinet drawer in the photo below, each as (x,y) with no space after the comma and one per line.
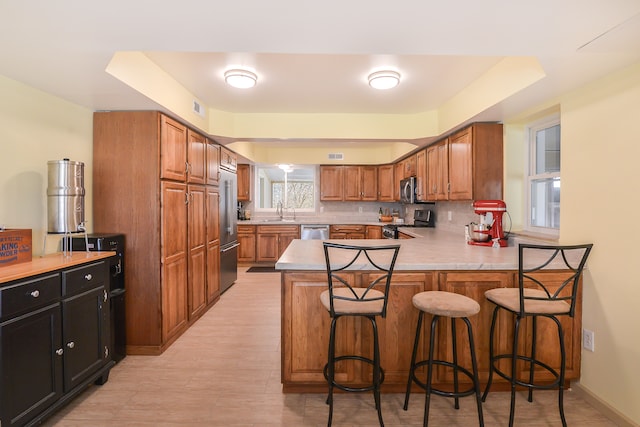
(29,295)
(246,229)
(83,278)
(347,228)
(278,229)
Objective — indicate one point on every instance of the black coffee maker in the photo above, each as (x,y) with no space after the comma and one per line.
(424,218)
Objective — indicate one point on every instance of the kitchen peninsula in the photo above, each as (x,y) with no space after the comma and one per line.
(434,260)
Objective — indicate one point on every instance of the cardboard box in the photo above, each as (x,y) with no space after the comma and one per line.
(15,246)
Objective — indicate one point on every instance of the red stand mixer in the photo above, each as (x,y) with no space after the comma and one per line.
(485,234)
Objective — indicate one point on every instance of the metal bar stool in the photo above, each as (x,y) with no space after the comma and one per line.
(548,280)
(369,301)
(455,306)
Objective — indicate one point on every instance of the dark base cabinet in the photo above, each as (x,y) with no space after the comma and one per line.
(54,340)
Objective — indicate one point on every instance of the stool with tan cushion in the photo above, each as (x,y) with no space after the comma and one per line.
(366,300)
(548,283)
(454,306)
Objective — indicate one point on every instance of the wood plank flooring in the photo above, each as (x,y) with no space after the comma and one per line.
(225,371)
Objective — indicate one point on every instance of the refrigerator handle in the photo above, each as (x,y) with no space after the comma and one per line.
(229,198)
(229,248)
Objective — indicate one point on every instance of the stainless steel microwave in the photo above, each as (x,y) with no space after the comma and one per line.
(408,190)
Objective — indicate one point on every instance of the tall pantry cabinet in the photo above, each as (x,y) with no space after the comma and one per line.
(154,182)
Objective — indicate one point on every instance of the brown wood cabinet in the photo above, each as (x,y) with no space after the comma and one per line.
(386,183)
(228,159)
(170,224)
(373,232)
(331,183)
(421,175)
(305,327)
(196,158)
(244,182)
(247,241)
(467,165)
(197,241)
(213,244)
(213,163)
(360,183)
(272,240)
(349,231)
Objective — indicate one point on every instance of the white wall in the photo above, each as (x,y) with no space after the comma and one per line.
(599,202)
(35,128)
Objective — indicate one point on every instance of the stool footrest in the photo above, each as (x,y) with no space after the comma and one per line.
(542,386)
(349,388)
(462,393)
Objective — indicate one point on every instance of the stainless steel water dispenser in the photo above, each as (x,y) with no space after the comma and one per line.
(65,197)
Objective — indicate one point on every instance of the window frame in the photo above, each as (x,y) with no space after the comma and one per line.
(256,195)
(530,175)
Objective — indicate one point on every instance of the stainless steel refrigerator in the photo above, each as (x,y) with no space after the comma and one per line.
(228,229)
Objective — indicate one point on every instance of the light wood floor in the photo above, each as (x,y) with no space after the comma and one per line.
(225,371)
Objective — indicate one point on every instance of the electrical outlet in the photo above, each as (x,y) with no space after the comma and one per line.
(449,215)
(588,340)
(359,209)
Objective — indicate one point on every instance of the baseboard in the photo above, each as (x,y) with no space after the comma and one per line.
(603,407)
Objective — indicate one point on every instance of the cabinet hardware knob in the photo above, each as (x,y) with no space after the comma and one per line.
(71,344)
(35,293)
(59,352)
(88,276)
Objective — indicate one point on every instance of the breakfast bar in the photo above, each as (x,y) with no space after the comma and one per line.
(433,260)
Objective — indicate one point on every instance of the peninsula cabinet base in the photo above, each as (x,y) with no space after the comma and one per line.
(305,331)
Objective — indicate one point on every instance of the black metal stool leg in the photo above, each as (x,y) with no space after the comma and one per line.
(427,399)
(514,360)
(563,357)
(491,353)
(376,370)
(533,355)
(454,340)
(413,361)
(474,364)
(331,367)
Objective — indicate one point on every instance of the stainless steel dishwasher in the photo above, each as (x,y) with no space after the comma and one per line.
(314,232)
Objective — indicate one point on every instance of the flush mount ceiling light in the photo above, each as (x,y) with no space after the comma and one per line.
(384,79)
(242,79)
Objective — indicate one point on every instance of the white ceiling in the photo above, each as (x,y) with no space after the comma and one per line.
(313,57)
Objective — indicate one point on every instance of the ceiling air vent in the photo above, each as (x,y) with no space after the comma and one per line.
(336,156)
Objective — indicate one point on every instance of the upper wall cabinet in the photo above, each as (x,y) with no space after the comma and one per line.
(196,157)
(467,165)
(331,183)
(386,183)
(360,183)
(244,182)
(228,159)
(173,149)
(213,163)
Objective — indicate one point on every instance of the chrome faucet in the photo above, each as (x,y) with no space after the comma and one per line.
(279,210)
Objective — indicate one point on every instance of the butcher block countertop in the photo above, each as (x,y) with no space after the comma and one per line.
(51,262)
(431,249)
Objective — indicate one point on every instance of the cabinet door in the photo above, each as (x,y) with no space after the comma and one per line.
(284,240)
(398,173)
(438,172)
(474,286)
(247,248)
(213,271)
(213,163)
(84,323)
(173,149)
(374,232)
(244,183)
(397,331)
(386,184)
(174,258)
(305,329)
(331,183)
(213,244)
(421,175)
(267,248)
(31,366)
(197,241)
(196,157)
(352,183)
(369,183)
(460,166)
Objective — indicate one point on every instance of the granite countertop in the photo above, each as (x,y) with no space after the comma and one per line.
(431,249)
(313,220)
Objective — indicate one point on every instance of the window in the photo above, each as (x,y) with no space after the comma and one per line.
(543,180)
(291,185)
